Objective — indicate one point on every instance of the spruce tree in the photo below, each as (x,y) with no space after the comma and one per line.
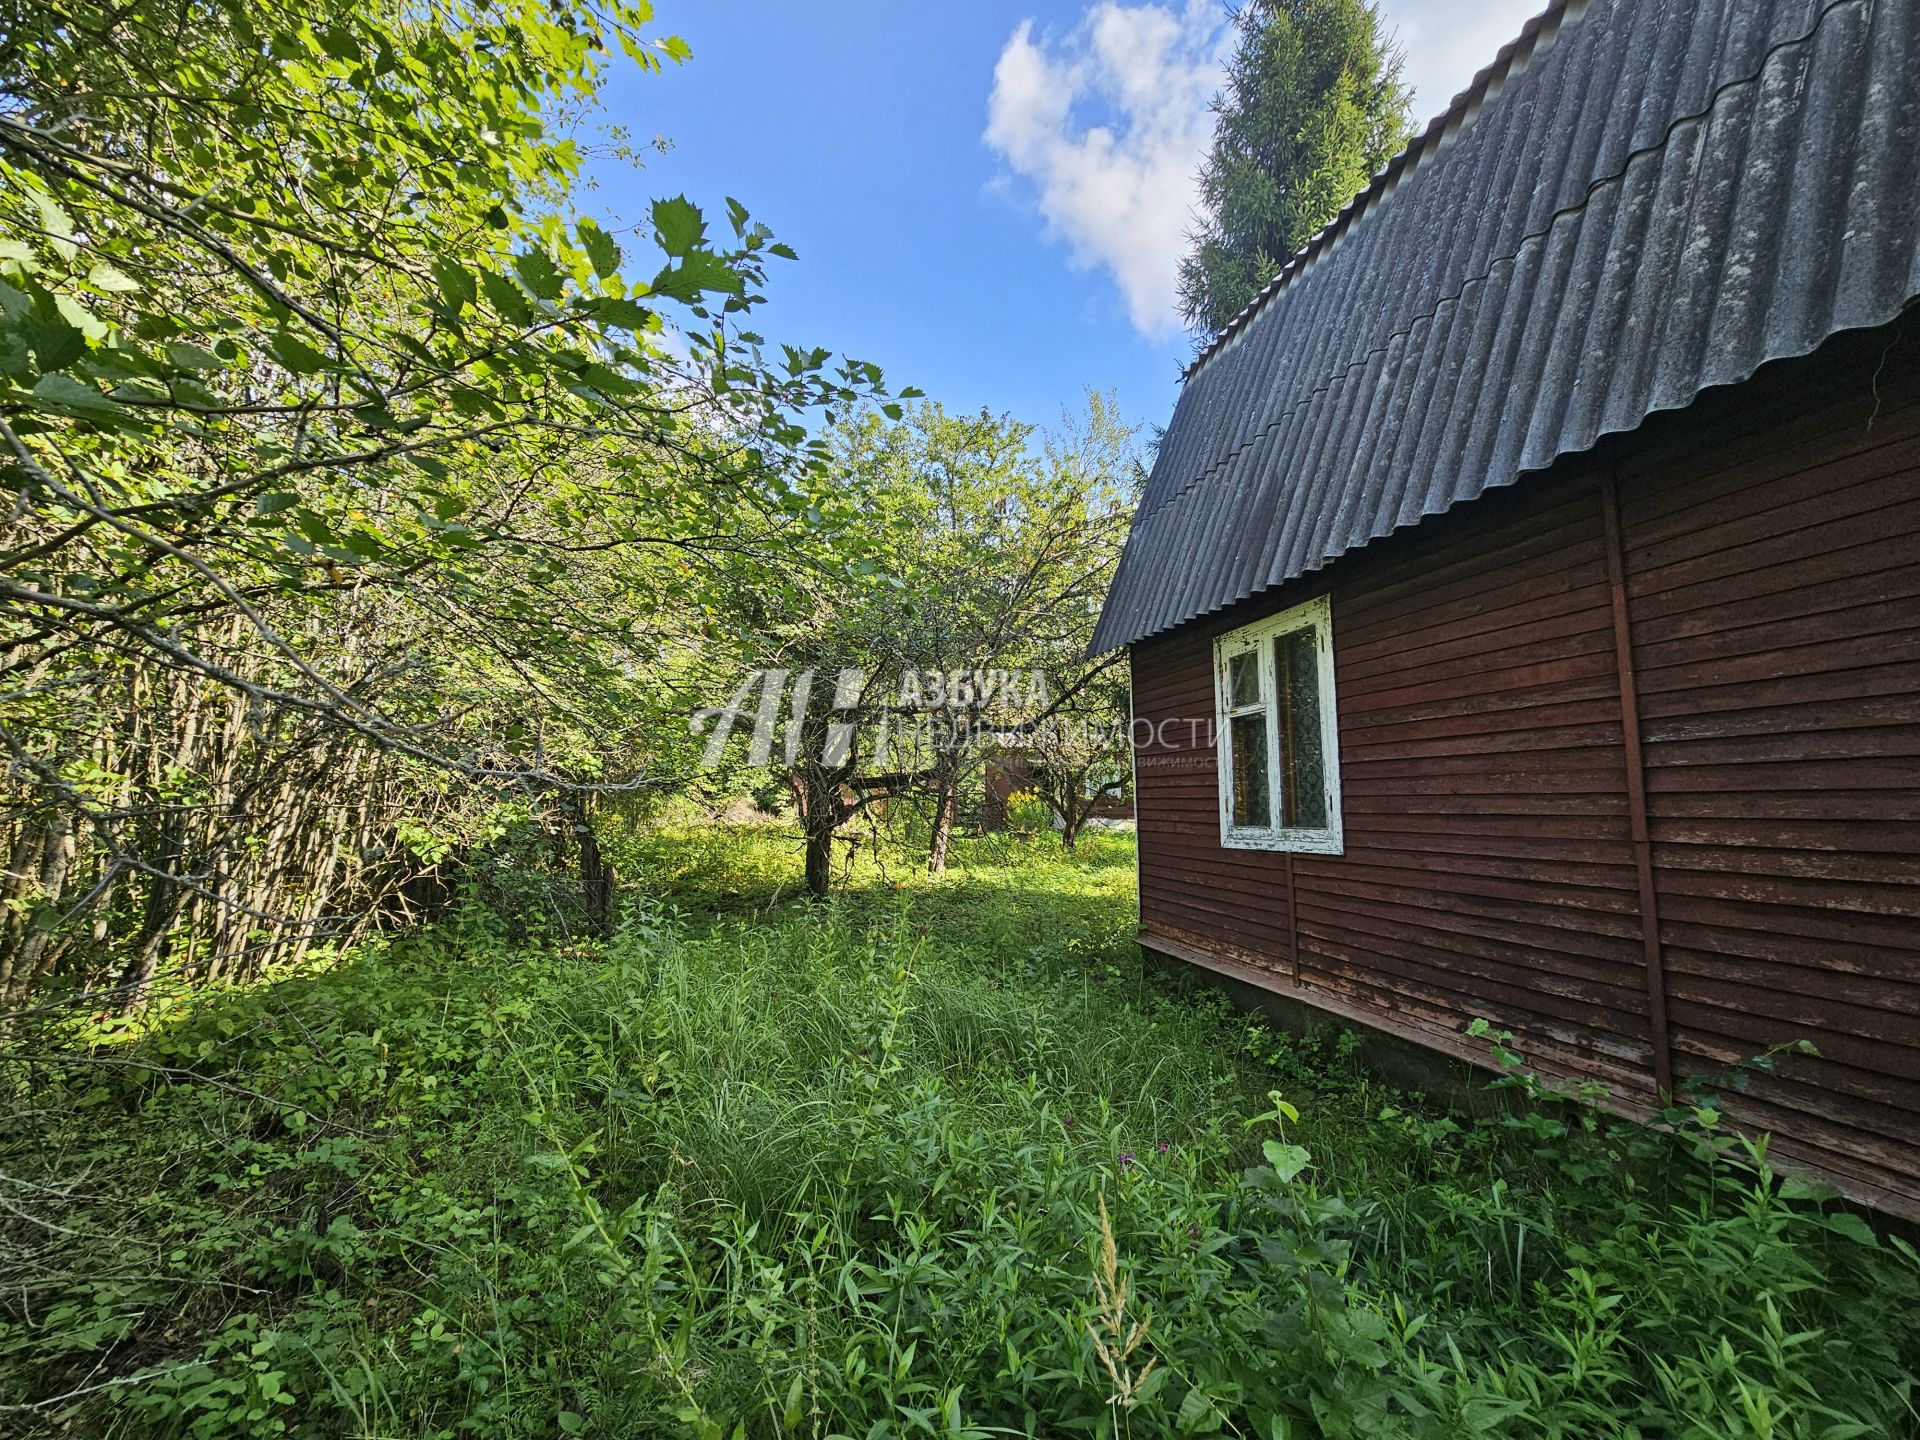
(1312,107)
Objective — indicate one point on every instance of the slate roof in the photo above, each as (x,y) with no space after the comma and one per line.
(1638,200)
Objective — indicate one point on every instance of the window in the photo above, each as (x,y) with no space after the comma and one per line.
(1278,734)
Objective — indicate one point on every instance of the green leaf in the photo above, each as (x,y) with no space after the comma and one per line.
(1287,1160)
(55,222)
(1845,1222)
(296,355)
(272,504)
(313,526)
(457,285)
(104,276)
(1795,1187)
(81,318)
(508,299)
(678,225)
(623,315)
(699,272)
(600,247)
(1198,1414)
(55,343)
(339,43)
(186,356)
(64,395)
(539,274)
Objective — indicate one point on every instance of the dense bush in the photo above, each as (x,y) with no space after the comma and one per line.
(930,1160)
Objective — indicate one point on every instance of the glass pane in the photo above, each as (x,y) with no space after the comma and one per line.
(1303,786)
(1243,679)
(1250,771)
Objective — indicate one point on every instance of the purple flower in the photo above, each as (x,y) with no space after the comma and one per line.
(1069,1122)
(1126,1159)
(1163,1147)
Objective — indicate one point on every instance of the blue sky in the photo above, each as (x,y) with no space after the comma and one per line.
(988,198)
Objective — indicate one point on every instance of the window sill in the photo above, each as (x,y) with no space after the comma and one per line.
(1299,842)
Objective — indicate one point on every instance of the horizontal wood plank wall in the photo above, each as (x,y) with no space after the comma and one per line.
(1775,603)
(1773,591)
(1488,870)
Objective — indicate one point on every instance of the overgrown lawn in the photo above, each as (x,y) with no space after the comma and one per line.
(756,1167)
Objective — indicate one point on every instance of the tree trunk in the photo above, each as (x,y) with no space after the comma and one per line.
(164,896)
(596,876)
(819,863)
(596,882)
(137,977)
(946,804)
(46,884)
(816,799)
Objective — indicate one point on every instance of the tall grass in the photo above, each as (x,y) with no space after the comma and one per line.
(936,1159)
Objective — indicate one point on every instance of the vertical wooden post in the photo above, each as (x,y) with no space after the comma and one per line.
(1293,921)
(1637,788)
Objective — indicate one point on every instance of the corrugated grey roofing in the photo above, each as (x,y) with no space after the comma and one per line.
(1640,199)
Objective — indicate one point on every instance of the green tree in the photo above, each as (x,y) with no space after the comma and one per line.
(981,548)
(1313,107)
(355,491)
(1081,757)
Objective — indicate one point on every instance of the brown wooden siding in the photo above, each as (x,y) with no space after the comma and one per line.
(1760,590)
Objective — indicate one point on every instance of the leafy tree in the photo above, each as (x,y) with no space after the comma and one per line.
(978,551)
(1010,552)
(1080,757)
(354,488)
(1313,107)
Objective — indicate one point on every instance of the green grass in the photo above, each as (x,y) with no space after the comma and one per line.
(758,1167)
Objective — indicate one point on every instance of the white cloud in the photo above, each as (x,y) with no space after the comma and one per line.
(1447,43)
(1110,122)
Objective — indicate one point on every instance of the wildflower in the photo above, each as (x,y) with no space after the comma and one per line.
(1069,1122)
(1163,1147)
(1126,1159)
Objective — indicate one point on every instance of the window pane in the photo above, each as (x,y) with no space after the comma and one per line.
(1243,679)
(1250,771)
(1303,788)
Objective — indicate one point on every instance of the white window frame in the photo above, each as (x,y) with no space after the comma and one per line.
(1316,615)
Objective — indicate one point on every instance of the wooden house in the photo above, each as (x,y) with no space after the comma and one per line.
(1524,606)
